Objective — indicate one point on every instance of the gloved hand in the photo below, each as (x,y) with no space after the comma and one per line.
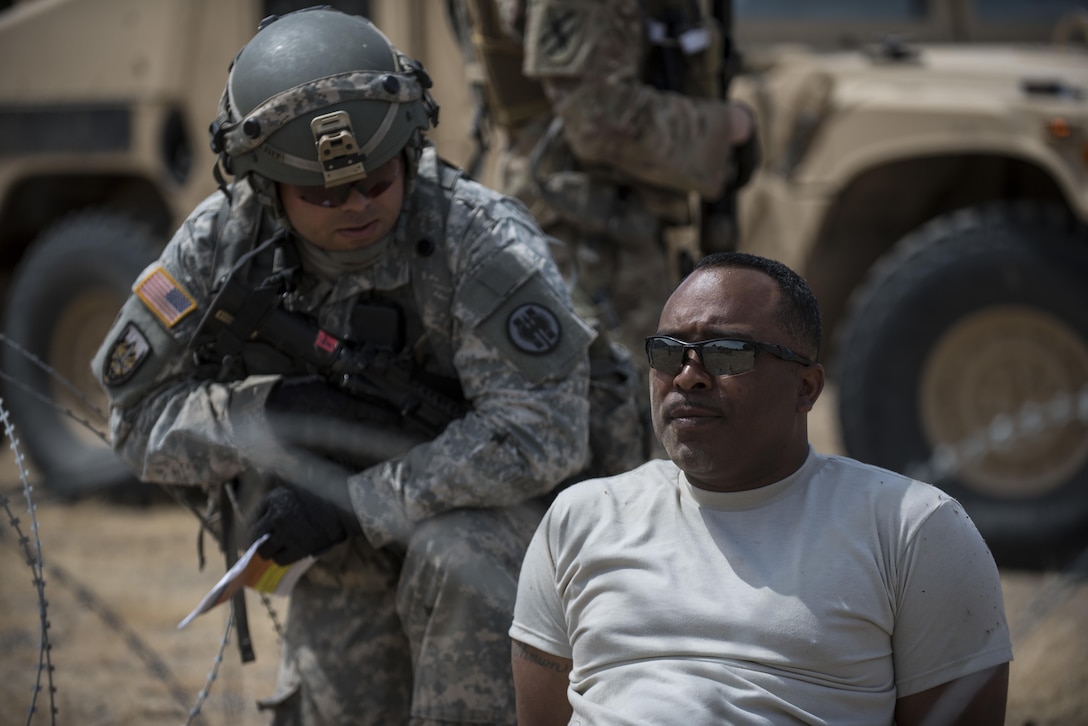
(300,523)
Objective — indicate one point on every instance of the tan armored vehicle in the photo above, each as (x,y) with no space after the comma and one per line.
(104,110)
(926,168)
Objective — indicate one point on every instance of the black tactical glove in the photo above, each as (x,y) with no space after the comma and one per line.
(300,523)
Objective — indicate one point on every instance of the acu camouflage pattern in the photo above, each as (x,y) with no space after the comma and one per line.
(592,56)
(638,149)
(385,628)
(283,108)
(449,608)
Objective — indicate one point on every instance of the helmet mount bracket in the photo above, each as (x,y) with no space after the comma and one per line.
(337,149)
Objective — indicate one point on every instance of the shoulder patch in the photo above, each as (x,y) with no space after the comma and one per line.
(561,36)
(161,293)
(560,33)
(129,350)
(533,329)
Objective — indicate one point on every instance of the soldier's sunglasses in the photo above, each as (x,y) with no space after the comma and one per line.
(377,183)
(720,357)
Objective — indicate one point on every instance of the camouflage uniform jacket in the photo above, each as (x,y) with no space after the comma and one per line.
(592,57)
(527,426)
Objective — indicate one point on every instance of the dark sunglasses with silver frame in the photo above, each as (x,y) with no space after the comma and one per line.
(720,356)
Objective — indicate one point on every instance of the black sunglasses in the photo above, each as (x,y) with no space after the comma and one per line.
(720,357)
(373,186)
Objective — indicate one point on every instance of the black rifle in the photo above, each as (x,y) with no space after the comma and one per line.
(721,214)
(731,59)
(240,316)
(373,372)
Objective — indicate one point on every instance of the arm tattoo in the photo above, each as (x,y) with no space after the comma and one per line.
(540,659)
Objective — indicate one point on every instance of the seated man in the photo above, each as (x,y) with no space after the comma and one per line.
(750,579)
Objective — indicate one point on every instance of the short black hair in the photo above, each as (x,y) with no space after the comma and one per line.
(799,311)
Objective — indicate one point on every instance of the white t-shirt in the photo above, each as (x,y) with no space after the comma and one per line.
(818,599)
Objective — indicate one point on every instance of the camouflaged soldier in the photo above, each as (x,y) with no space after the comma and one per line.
(343,238)
(617,137)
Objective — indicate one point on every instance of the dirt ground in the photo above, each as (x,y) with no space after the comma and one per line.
(118,579)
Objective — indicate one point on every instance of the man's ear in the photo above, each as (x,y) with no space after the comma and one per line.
(809,386)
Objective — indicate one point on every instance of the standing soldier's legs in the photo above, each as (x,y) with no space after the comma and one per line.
(456,600)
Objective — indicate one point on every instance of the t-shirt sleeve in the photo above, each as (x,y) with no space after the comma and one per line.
(950,615)
(539,618)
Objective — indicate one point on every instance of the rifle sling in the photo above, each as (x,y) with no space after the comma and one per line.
(229,536)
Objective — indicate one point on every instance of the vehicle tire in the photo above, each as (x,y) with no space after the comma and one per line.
(65,294)
(959,328)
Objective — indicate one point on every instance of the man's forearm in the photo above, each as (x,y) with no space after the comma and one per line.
(540,680)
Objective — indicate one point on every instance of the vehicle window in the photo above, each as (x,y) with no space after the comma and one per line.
(833,9)
(1004,10)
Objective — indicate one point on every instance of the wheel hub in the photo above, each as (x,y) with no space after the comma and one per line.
(992,364)
(78,333)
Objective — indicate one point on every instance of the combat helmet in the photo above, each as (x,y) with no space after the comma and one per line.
(319,97)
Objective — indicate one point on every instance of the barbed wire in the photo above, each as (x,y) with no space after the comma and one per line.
(113,620)
(86,597)
(46,400)
(202,696)
(94,604)
(33,555)
(1032,420)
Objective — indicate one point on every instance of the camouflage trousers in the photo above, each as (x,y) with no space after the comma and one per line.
(377,638)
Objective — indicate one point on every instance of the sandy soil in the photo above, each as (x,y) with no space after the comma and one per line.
(118,580)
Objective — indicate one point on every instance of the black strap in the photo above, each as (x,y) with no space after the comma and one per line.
(723,13)
(229,535)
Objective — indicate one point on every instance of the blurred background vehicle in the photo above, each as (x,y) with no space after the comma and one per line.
(925,166)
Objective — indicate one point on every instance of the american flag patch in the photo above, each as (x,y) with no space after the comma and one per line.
(164,296)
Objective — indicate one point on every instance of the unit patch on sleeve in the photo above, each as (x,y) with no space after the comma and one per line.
(164,296)
(129,350)
(559,37)
(533,329)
